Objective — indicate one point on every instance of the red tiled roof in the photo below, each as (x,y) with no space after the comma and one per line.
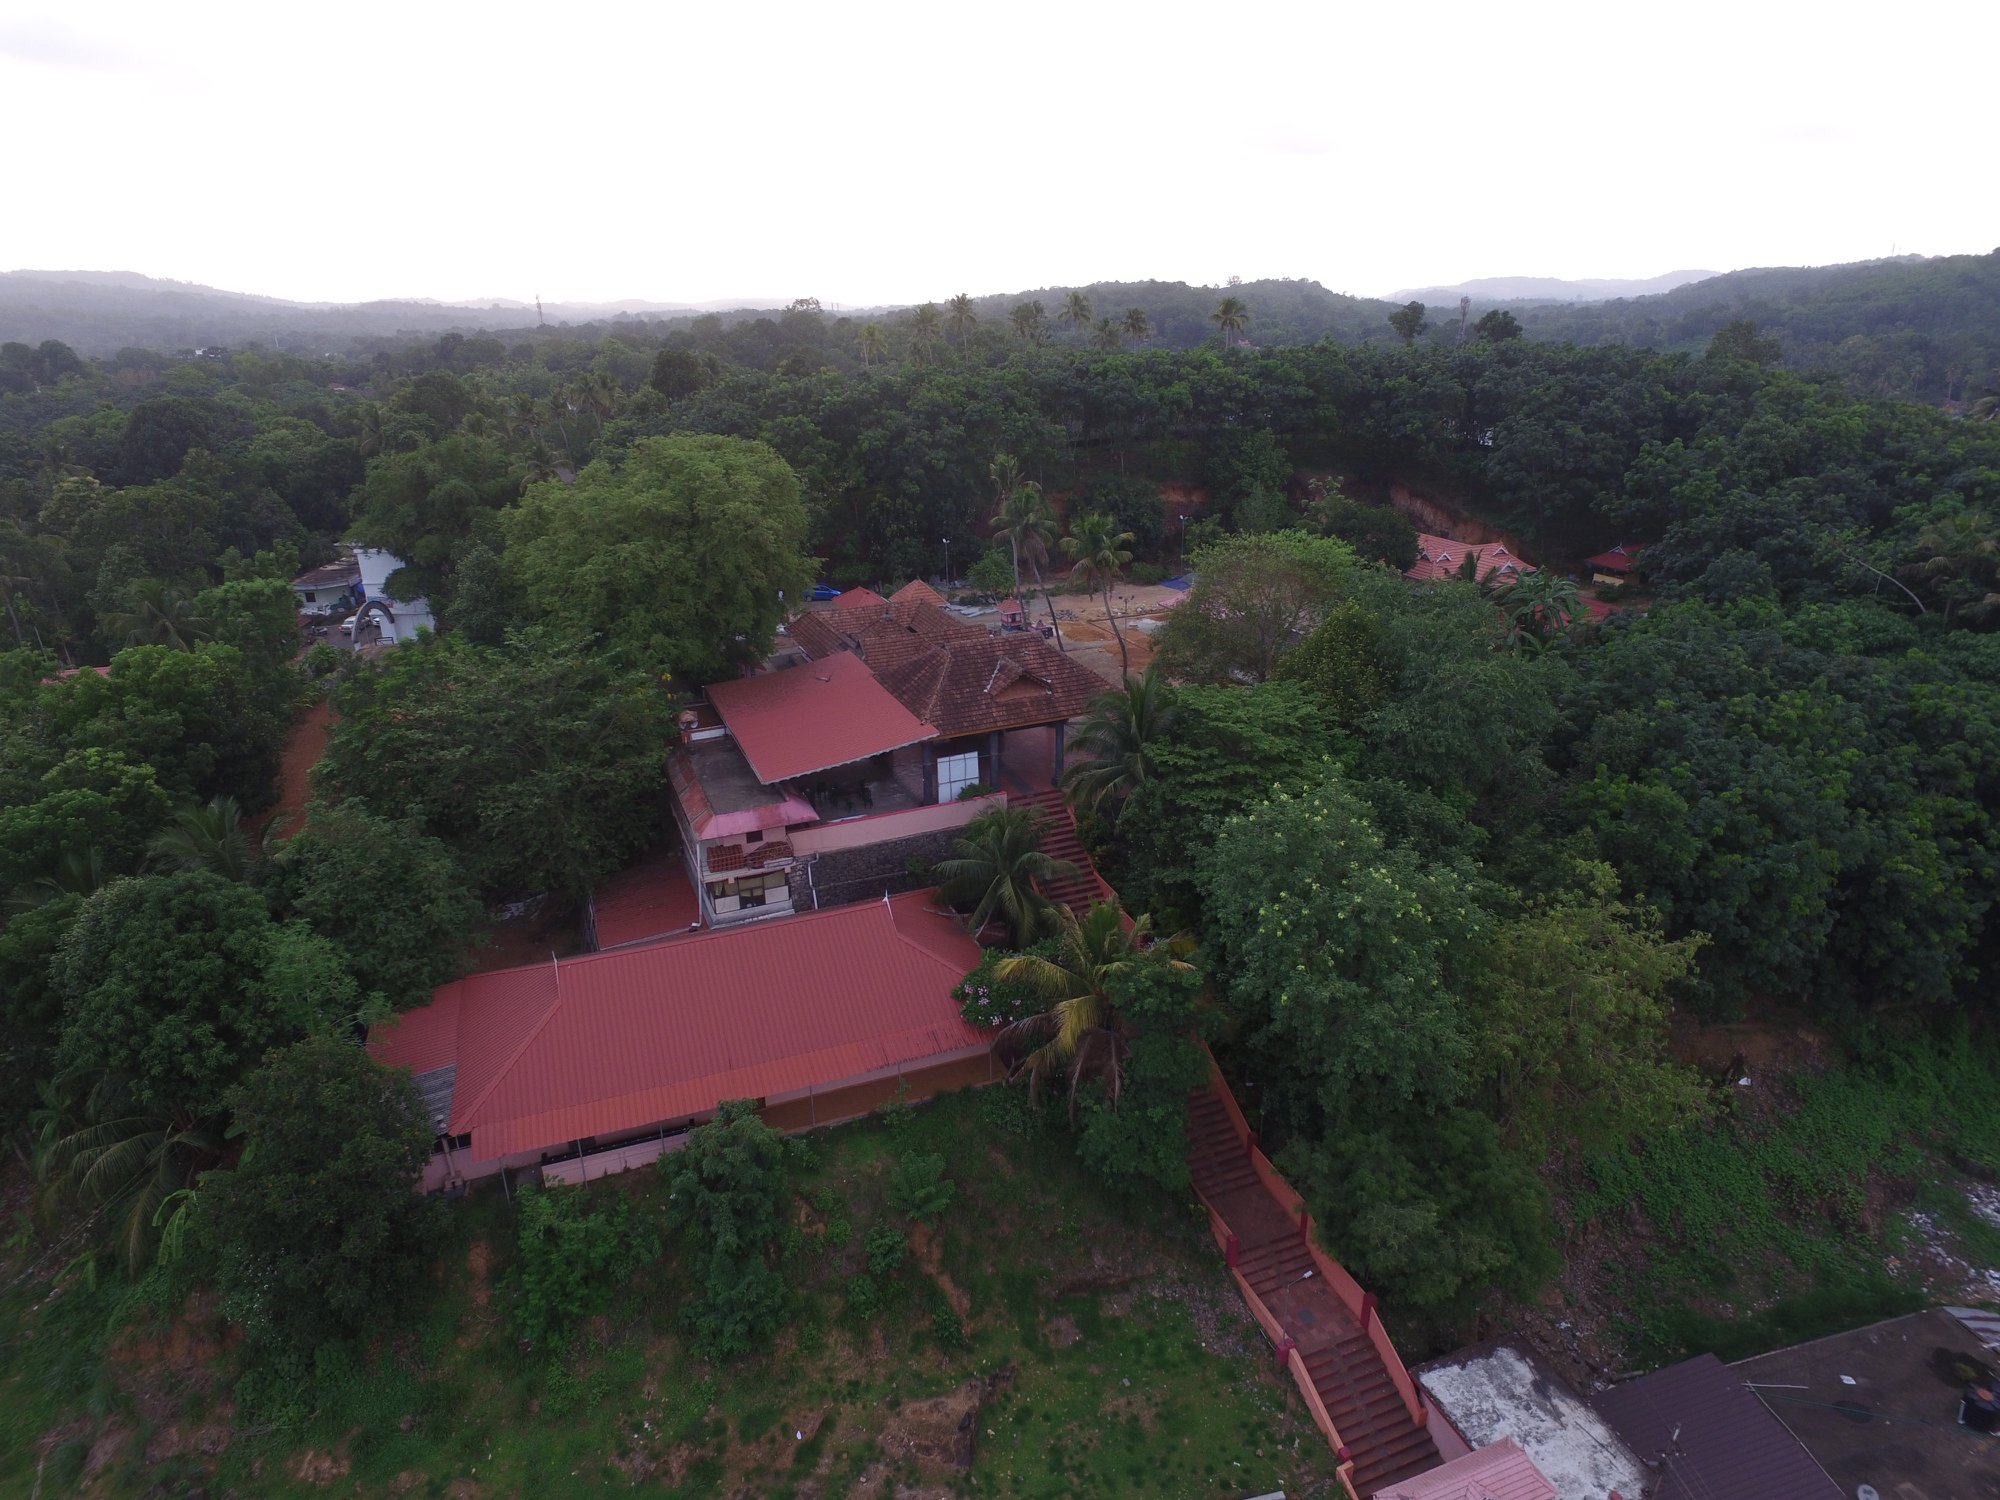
(813,717)
(855,597)
(1620,559)
(916,591)
(1442,557)
(68,672)
(653,899)
(977,685)
(618,1041)
(1499,1471)
(1719,1442)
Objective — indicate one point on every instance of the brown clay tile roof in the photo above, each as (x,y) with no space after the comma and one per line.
(979,684)
(884,637)
(857,598)
(1620,559)
(916,591)
(723,858)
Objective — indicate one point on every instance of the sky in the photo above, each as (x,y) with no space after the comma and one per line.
(868,153)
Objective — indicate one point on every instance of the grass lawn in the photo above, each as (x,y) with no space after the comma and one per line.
(1065,1344)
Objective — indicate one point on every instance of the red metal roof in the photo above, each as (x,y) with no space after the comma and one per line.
(1442,557)
(1499,1471)
(813,717)
(617,1041)
(1620,559)
(855,597)
(648,900)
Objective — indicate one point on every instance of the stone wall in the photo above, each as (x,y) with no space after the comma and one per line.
(843,876)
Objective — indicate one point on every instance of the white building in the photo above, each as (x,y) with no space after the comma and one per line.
(398,619)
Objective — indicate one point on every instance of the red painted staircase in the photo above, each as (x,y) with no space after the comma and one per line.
(1270,1252)
(1083,890)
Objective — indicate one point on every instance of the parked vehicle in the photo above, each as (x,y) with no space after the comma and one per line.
(824,591)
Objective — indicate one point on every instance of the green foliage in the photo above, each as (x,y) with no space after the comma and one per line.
(181,981)
(919,1188)
(727,1190)
(1430,1210)
(1377,533)
(571,1260)
(1345,955)
(887,1247)
(985,999)
(681,557)
(1339,663)
(1113,746)
(426,504)
(392,898)
(993,573)
(318,1234)
(548,800)
(1257,596)
(999,871)
(1137,1144)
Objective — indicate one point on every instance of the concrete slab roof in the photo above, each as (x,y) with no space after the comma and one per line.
(1499,1391)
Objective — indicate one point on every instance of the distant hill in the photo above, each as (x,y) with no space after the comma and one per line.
(1548,289)
(1926,328)
(100,312)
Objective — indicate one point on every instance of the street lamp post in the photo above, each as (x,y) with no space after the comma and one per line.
(946,544)
(1183,567)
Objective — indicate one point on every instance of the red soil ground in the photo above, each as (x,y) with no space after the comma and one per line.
(302,752)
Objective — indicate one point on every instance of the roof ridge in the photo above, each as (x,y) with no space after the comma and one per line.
(513,1057)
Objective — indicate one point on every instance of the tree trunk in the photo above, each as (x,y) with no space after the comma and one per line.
(1124,660)
(1015,543)
(1049,600)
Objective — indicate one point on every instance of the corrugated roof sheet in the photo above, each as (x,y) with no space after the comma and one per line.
(1500,1471)
(1710,1438)
(621,1040)
(1620,559)
(1442,557)
(810,718)
(653,899)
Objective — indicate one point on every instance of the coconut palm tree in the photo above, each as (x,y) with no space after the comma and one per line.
(524,414)
(77,872)
(1081,1033)
(1231,318)
(874,343)
(541,466)
(208,837)
(368,434)
(1000,869)
(1097,554)
(1137,324)
(962,317)
(1025,519)
(1115,741)
(1539,604)
(1107,333)
(924,325)
(99,1148)
(1028,320)
(1075,311)
(156,614)
(1960,558)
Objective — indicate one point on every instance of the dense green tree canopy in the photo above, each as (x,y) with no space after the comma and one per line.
(681,557)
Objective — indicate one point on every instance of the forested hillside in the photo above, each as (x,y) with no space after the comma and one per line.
(1451,863)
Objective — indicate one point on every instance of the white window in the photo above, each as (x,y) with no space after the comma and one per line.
(956,773)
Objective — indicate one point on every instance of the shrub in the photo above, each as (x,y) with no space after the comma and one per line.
(864,1296)
(920,1189)
(571,1260)
(985,1000)
(726,1196)
(886,1249)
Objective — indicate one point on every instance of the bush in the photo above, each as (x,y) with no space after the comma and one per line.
(323,661)
(864,1296)
(886,1249)
(993,573)
(920,1189)
(985,1000)
(726,1195)
(571,1261)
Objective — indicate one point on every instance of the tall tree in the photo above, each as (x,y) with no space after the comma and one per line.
(1098,555)
(1137,324)
(925,327)
(1108,334)
(1409,320)
(1075,312)
(1230,318)
(961,317)
(1025,519)
(874,343)
(209,836)
(1114,744)
(1028,319)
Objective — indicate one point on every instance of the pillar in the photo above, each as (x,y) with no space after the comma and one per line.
(1062,735)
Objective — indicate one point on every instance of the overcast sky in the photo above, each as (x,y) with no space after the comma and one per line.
(868,153)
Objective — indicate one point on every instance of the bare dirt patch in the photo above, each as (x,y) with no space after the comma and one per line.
(479,1261)
(303,748)
(321,1469)
(924,1246)
(1062,1331)
(941,1432)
